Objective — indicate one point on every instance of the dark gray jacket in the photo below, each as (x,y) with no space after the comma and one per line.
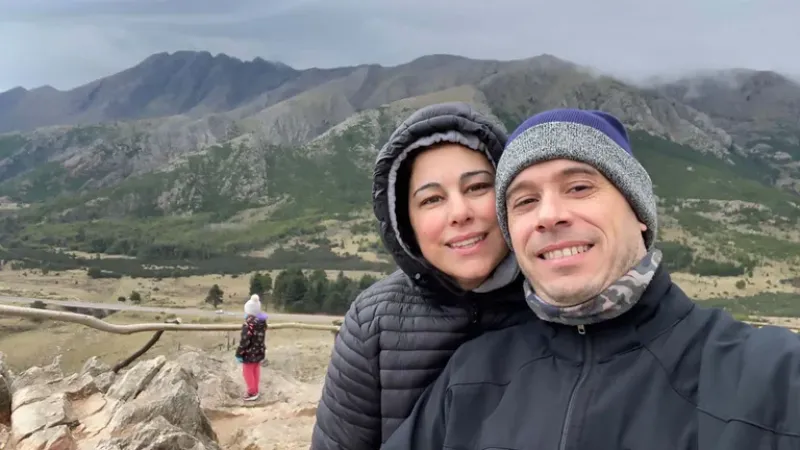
(399,333)
(668,374)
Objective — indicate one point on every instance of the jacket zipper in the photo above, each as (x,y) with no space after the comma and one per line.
(587,360)
(475,313)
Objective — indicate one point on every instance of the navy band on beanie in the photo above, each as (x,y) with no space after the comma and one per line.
(595,138)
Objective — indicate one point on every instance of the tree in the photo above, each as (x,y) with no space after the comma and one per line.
(266,282)
(314,297)
(260,283)
(290,289)
(214,295)
(366,281)
(256,286)
(136,297)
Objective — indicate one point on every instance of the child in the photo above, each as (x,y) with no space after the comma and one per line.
(251,346)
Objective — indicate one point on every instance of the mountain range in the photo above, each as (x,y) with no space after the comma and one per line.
(194,155)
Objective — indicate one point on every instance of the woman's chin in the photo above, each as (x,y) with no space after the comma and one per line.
(469,280)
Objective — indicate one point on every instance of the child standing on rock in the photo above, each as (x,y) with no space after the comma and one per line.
(252,346)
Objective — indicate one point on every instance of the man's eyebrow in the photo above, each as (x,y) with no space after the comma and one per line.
(524,184)
(578,170)
(567,172)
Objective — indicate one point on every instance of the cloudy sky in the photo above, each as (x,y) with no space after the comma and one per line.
(65,43)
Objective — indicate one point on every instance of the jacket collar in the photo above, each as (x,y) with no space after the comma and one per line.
(662,305)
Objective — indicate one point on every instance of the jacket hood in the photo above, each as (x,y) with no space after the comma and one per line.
(454,122)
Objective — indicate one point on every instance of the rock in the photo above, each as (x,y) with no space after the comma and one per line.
(5,372)
(172,395)
(5,436)
(80,388)
(89,406)
(56,438)
(156,434)
(39,375)
(31,394)
(136,379)
(95,367)
(215,386)
(104,381)
(5,401)
(32,417)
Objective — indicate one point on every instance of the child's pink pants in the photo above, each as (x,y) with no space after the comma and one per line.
(252,375)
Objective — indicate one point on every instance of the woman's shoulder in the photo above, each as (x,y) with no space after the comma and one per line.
(391,295)
(395,304)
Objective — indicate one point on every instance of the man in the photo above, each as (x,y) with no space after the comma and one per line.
(621,358)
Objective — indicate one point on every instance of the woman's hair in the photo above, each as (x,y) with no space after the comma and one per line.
(402,185)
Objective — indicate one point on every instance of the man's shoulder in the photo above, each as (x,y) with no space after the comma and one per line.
(757,341)
(750,374)
(765,349)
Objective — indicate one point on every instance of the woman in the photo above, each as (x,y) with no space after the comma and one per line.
(433,195)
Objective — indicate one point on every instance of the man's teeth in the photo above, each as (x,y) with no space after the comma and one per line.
(468,242)
(564,252)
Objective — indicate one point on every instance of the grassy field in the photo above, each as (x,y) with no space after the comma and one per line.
(167,292)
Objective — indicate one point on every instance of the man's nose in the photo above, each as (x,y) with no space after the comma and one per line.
(550,213)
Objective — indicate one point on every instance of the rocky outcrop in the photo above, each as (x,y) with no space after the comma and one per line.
(152,406)
(5,393)
(191,400)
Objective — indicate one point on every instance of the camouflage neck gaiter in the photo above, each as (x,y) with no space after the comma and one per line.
(613,302)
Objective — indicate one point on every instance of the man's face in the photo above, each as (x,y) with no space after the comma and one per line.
(572,231)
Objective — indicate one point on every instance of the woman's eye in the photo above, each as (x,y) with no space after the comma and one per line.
(479,187)
(430,200)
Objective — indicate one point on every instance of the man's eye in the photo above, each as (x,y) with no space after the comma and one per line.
(524,201)
(579,188)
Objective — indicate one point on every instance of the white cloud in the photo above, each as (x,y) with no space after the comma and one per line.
(69,42)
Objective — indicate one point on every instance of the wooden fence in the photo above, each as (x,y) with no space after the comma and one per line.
(175,325)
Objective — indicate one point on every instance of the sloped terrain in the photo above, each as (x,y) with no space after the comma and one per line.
(269,177)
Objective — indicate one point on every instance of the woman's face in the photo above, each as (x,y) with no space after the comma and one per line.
(451,204)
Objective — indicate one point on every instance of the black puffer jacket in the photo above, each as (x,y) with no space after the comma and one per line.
(400,332)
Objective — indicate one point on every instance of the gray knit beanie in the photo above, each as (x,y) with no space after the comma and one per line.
(592,137)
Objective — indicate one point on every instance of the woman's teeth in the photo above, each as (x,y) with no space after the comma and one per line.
(467,242)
